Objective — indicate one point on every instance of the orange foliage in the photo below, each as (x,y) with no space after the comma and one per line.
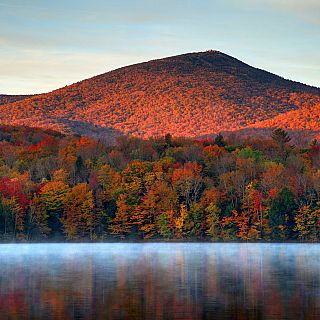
(191,95)
(213,151)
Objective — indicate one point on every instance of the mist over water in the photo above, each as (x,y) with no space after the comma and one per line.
(159,281)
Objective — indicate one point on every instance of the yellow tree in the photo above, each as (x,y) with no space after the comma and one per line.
(78,213)
(307,223)
(128,204)
(181,220)
(121,224)
(210,202)
(106,185)
(110,182)
(53,194)
(60,175)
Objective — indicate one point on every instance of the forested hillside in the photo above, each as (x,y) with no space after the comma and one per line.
(55,187)
(189,95)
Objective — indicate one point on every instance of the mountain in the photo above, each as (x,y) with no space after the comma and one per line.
(193,95)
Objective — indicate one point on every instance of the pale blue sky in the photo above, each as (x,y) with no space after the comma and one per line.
(46,44)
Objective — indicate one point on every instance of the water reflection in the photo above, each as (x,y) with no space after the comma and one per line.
(160,281)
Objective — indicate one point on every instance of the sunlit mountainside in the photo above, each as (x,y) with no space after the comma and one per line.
(190,95)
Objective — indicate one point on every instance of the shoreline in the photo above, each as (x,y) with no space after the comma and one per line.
(160,242)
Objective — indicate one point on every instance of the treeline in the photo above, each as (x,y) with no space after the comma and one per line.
(56,187)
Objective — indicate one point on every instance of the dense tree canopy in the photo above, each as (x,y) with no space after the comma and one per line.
(55,187)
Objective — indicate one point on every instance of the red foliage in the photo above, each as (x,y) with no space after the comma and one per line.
(12,188)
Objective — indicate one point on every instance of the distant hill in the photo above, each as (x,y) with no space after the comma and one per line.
(191,95)
(7,98)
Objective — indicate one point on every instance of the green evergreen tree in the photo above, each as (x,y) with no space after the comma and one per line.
(281,215)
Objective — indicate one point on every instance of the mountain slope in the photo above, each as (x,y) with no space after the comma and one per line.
(306,118)
(187,95)
(303,124)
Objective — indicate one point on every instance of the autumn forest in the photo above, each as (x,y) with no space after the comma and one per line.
(60,188)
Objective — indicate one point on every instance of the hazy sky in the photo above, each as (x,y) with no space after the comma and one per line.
(47,44)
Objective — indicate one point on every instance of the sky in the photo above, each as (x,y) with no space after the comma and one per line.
(45,44)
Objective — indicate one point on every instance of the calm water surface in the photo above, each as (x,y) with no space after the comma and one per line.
(160,281)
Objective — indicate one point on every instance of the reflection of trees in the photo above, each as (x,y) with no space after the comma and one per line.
(173,283)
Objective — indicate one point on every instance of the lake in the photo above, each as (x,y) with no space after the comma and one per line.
(160,281)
